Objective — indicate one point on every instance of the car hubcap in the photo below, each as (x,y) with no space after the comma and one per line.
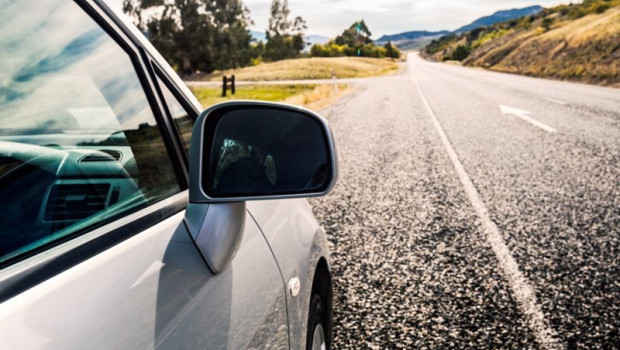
(318,340)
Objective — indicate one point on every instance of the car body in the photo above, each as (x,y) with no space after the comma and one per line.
(113,234)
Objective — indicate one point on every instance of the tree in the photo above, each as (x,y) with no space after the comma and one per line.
(354,41)
(231,35)
(461,52)
(357,34)
(285,38)
(546,23)
(391,51)
(195,34)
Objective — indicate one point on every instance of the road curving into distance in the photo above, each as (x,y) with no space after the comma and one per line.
(475,210)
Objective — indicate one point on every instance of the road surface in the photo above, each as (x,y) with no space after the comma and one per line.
(475,210)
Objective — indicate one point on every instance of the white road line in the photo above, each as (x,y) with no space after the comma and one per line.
(521,289)
(525,116)
(555,101)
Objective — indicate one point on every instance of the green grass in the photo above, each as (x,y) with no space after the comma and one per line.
(276,93)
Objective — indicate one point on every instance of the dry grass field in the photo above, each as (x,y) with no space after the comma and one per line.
(310,68)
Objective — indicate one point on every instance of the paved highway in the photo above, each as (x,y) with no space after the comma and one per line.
(475,210)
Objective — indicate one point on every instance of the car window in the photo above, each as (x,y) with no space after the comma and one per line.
(79,144)
(182,121)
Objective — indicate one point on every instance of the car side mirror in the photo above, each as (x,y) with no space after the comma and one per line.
(247,150)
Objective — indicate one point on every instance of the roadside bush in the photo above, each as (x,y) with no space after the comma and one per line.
(546,23)
(601,8)
(366,50)
(440,44)
(391,51)
(578,13)
(474,34)
(354,41)
(461,52)
(330,49)
(486,37)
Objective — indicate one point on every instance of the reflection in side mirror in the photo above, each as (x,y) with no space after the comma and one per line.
(256,150)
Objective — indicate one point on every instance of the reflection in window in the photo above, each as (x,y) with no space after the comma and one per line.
(241,165)
(79,144)
(184,124)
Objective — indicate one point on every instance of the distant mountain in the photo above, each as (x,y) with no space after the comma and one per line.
(420,38)
(310,39)
(408,36)
(258,36)
(411,40)
(500,16)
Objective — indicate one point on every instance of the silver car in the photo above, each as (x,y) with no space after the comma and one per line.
(130,220)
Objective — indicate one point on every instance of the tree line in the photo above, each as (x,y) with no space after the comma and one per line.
(354,41)
(208,35)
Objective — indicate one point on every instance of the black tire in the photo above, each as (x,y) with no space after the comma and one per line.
(317,317)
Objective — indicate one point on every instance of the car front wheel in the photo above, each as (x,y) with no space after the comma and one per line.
(316,337)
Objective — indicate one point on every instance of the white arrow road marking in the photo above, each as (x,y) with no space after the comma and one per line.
(524,115)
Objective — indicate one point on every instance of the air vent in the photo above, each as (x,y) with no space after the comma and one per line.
(104,155)
(73,202)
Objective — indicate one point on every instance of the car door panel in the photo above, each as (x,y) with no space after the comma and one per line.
(298,242)
(154,291)
(241,307)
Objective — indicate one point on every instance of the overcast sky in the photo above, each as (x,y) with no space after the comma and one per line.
(330,17)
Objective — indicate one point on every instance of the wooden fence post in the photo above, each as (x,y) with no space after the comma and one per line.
(226,82)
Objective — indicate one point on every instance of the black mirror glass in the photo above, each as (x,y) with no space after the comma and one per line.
(263,151)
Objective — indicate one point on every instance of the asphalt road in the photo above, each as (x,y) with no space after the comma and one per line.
(475,210)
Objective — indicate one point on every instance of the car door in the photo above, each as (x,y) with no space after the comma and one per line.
(94,248)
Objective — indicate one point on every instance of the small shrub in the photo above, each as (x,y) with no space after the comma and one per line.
(461,52)
(577,13)
(546,23)
(601,8)
(440,44)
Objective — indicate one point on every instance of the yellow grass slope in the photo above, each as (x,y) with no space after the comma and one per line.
(586,49)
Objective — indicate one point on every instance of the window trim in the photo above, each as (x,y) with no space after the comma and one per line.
(185,103)
(121,35)
(156,77)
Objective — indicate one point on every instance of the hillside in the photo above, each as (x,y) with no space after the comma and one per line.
(579,42)
(500,16)
(419,38)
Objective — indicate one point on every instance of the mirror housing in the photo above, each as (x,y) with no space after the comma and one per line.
(249,150)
